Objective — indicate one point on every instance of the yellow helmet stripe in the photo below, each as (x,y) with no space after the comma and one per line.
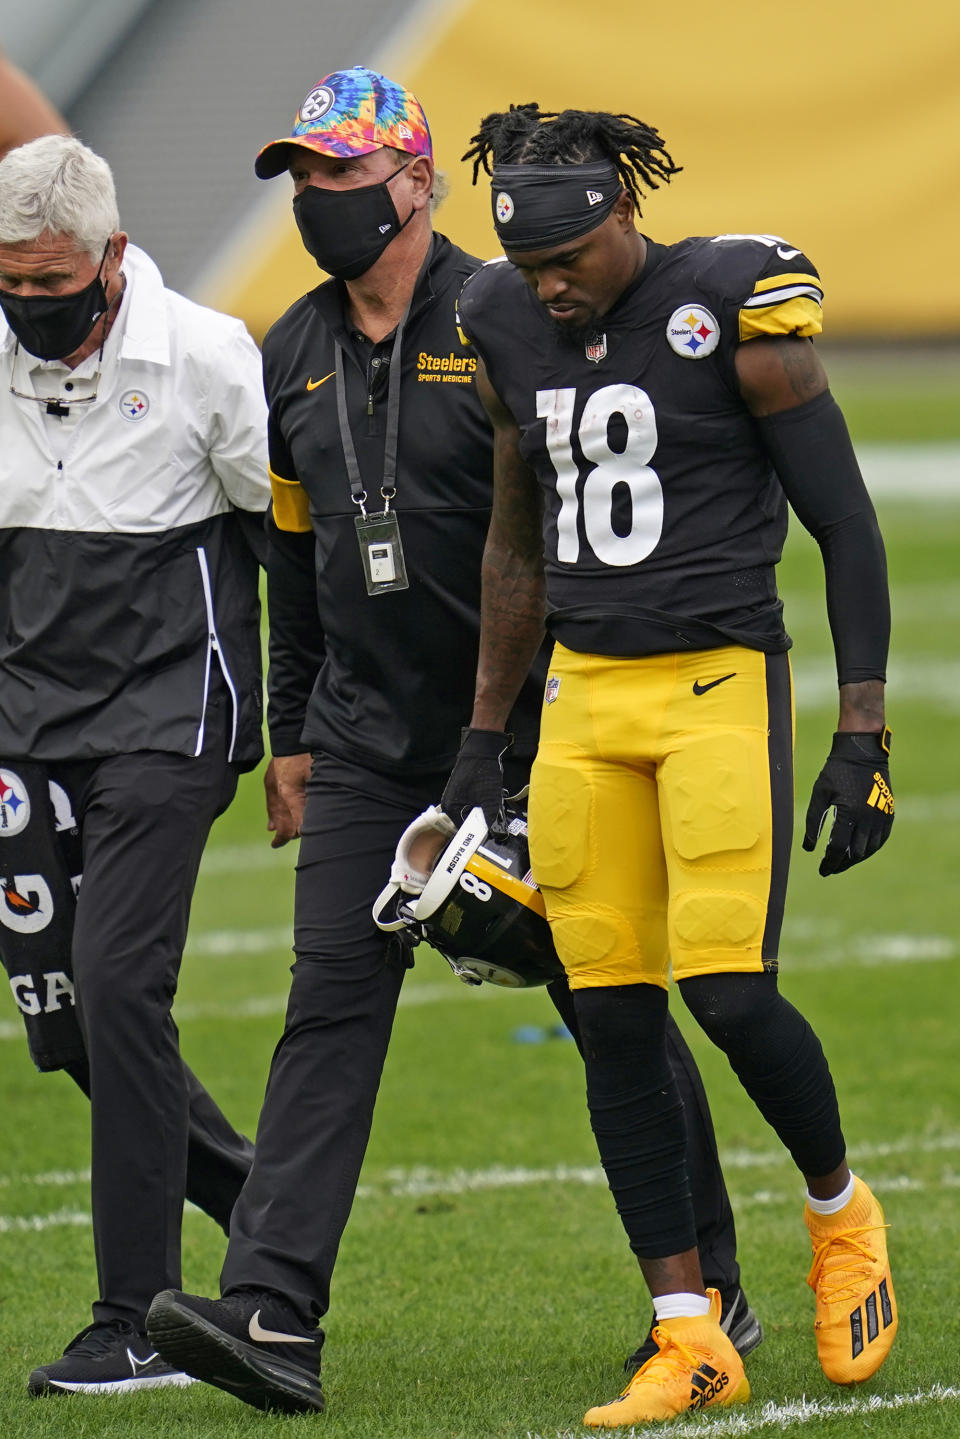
(507,883)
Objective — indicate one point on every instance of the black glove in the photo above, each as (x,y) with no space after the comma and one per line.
(855,782)
(477,776)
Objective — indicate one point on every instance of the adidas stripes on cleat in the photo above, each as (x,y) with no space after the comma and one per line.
(856,1310)
(695,1367)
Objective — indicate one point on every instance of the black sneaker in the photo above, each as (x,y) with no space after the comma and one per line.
(251,1344)
(107,1358)
(737,1320)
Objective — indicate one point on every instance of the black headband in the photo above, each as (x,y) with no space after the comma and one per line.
(536,206)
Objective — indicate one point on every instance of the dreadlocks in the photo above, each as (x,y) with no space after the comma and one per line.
(525,134)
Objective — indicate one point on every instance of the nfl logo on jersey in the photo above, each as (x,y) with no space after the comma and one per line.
(596,348)
(553,689)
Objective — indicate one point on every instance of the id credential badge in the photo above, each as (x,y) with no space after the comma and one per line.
(381,552)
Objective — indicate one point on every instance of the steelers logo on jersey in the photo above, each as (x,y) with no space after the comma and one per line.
(693,332)
(505,207)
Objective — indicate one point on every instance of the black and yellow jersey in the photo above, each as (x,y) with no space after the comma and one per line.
(663,516)
(383,681)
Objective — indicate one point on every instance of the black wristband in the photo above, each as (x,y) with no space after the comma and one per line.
(484,743)
(870,748)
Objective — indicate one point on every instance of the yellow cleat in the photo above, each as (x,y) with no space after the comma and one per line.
(856,1309)
(695,1367)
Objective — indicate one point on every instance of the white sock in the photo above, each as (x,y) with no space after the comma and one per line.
(680,1306)
(832,1206)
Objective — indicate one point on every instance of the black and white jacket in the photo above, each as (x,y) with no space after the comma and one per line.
(125,577)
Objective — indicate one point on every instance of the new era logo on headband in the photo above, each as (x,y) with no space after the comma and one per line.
(539,206)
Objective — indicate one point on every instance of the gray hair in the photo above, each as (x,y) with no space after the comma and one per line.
(441,189)
(57,184)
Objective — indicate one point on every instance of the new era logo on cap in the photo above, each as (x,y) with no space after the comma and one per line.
(352,112)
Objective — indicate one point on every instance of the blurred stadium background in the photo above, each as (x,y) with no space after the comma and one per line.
(836,125)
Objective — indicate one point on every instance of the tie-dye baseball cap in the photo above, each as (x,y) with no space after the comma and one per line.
(351,112)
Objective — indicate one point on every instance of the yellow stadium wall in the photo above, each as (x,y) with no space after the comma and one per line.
(835,124)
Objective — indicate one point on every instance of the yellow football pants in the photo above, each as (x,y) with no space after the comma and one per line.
(661,813)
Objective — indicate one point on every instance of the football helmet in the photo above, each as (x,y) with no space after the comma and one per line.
(470,894)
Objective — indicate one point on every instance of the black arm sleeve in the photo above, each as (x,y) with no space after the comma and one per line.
(296,648)
(811,451)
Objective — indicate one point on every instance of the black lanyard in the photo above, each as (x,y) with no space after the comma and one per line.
(388,488)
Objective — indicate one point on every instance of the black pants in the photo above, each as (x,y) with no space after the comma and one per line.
(323,1082)
(143,821)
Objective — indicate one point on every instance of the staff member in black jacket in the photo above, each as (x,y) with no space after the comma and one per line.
(380,459)
(130,697)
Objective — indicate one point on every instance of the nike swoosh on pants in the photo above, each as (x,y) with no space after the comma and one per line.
(700,689)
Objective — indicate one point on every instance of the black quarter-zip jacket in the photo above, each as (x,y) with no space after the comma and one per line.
(385,681)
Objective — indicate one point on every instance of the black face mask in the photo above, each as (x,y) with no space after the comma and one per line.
(346,231)
(53,326)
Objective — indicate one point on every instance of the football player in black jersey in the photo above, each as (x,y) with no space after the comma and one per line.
(655,408)
(372,659)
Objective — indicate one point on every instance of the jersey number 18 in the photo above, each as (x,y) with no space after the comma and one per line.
(610,468)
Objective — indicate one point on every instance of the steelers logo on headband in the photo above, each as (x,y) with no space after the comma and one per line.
(537,206)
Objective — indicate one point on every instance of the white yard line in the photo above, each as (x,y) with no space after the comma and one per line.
(248,858)
(239,858)
(911,472)
(35,1223)
(931,681)
(260,1006)
(421,1181)
(499,1177)
(735,1424)
(829,949)
(228,942)
(59,1178)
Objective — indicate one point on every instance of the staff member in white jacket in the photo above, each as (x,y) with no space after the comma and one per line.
(133,480)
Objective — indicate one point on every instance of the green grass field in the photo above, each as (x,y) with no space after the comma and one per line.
(484,1285)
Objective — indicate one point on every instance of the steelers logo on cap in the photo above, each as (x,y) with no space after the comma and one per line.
(693,332)
(504,207)
(316,105)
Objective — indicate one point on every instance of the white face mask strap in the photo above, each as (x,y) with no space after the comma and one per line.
(405,878)
(383,899)
(403,872)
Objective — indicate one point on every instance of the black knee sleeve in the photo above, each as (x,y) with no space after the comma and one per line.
(636,1115)
(778,1060)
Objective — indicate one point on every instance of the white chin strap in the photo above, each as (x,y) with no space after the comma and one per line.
(404,877)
